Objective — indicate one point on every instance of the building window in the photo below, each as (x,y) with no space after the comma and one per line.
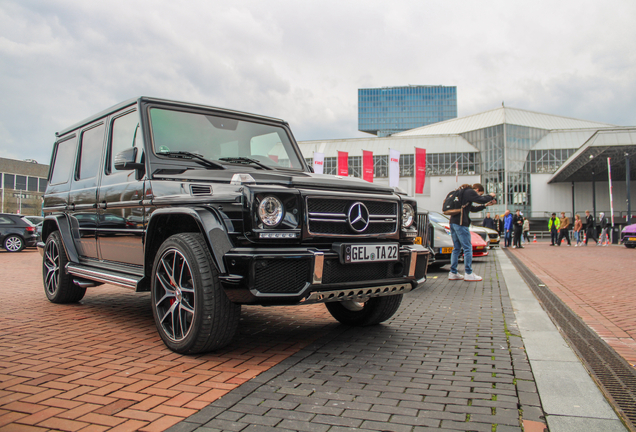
(381,166)
(32,184)
(355,166)
(407,165)
(9,181)
(20,182)
(331,166)
(547,161)
(42,185)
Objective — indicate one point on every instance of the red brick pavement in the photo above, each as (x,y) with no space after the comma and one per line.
(100,365)
(597,283)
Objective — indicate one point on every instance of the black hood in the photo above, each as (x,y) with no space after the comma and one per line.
(304,180)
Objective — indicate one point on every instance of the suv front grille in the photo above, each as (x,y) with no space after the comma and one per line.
(329,217)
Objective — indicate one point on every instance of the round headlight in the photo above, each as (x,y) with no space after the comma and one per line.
(270,211)
(408,215)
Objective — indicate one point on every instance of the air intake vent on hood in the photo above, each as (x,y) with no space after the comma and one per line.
(200,190)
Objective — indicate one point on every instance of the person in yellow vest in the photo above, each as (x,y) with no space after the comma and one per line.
(553,226)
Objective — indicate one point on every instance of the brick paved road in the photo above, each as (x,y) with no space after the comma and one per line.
(597,283)
(451,359)
(100,365)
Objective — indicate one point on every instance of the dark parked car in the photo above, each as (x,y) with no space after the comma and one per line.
(16,232)
(210,209)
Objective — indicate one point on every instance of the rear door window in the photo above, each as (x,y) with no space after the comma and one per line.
(90,152)
(64,161)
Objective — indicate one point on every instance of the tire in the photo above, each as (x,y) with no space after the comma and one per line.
(192,313)
(58,285)
(13,243)
(373,311)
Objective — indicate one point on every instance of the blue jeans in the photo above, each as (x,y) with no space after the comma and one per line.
(461,240)
(576,237)
(508,238)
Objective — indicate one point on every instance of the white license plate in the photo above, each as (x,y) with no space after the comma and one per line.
(355,253)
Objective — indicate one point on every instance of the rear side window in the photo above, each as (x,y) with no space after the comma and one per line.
(64,161)
(5,220)
(90,152)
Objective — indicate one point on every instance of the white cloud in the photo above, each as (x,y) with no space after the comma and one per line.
(61,61)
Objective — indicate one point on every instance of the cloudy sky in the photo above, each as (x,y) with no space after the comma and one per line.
(63,60)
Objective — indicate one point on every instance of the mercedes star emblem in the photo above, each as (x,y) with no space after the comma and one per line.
(358,217)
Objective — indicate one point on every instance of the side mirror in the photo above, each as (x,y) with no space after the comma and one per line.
(126,160)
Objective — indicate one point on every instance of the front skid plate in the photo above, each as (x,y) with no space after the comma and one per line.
(356,294)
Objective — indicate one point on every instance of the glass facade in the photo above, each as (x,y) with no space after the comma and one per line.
(388,110)
(505,152)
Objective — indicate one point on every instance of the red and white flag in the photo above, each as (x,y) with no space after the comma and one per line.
(420,169)
(319,163)
(394,168)
(343,163)
(367,165)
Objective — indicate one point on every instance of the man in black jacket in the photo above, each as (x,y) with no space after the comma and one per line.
(460,232)
(590,228)
(517,224)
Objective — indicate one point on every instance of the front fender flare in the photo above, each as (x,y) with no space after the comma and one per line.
(208,222)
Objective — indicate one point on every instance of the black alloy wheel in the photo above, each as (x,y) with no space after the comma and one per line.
(191,311)
(58,285)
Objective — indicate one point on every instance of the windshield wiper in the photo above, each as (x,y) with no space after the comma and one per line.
(246,160)
(197,158)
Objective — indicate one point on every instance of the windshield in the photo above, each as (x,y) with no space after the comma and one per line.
(216,138)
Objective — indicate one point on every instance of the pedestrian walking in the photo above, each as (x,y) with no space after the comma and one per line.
(472,200)
(603,223)
(590,228)
(564,231)
(526,229)
(488,222)
(553,227)
(517,223)
(507,223)
(578,226)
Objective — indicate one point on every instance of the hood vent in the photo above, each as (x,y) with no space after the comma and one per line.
(200,190)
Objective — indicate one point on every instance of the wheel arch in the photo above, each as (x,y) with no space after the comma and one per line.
(164,223)
(60,223)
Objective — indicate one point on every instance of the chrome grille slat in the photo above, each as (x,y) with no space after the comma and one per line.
(329,216)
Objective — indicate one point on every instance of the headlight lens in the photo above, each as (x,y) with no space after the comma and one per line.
(408,215)
(270,211)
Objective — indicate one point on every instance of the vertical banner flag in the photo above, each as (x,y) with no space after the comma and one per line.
(420,169)
(343,163)
(609,176)
(367,165)
(319,163)
(394,168)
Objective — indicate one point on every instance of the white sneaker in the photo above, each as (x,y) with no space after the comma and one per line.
(514,247)
(576,245)
(455,276)
(472,277)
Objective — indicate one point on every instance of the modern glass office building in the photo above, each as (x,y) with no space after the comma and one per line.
(388,110)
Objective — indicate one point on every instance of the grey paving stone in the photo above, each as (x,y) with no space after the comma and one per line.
(303,426)
(418,371)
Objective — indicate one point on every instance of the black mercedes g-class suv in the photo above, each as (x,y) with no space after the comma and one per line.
(209,209)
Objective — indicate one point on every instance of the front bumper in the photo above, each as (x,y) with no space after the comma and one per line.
(629,239)
(311,275)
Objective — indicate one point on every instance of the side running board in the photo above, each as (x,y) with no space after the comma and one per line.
(103,276)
